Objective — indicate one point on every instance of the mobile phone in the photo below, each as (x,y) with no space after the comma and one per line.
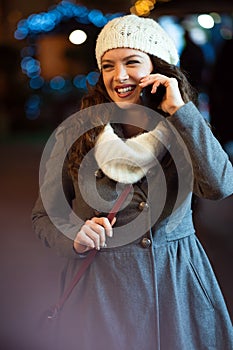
(152,100)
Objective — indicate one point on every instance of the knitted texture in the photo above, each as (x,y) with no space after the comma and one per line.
(129,161)
(139,33)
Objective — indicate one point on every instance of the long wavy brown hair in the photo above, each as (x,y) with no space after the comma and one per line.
(98,95)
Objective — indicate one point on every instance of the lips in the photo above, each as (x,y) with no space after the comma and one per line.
(124,90)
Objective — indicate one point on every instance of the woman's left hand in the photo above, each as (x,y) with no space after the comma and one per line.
(172,100)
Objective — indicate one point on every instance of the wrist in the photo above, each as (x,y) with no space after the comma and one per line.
(172,110)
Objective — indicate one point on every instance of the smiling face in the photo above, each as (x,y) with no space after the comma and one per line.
(122,70)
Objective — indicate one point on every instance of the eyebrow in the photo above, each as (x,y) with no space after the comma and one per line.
(126,58)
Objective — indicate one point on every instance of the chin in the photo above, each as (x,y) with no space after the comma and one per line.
(126,105)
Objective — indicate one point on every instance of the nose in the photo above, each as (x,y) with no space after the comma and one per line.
(121,74)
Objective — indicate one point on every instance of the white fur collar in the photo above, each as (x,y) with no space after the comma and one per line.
(128,161)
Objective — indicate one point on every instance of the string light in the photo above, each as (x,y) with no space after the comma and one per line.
(45,22)
(143,7)
(77,37)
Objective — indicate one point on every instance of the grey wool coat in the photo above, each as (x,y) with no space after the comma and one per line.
(154,289)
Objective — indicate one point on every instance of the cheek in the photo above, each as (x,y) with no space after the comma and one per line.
(107,82)
(149,69)
(107,85)
(104,79)
(144,72)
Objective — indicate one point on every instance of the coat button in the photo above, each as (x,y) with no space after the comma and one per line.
(143,205)
(145,242)
(149,173)
(99,174)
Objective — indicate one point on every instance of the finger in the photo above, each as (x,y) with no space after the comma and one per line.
(89,237)
(83,242)
(95,232)
(145,82)
(149,79)
(106,225)
(146,78)
(154,84)
(155,87)
(113,221)
(98,229)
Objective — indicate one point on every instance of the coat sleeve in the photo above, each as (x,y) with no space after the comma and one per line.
(51,215)
(212,169)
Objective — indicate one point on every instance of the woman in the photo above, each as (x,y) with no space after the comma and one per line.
(150,285)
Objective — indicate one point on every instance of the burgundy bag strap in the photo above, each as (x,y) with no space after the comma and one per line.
(90,257)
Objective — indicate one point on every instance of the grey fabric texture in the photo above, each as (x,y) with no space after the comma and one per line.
(162,297)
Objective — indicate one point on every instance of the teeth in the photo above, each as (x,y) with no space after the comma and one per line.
(123,90)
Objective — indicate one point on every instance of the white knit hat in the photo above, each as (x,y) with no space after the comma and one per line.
(139,33)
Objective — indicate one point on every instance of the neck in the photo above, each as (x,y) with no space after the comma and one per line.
(135,122)
(131,130)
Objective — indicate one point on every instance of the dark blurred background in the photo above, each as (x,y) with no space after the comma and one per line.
(42,79)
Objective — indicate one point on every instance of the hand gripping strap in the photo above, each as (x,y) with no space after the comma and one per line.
(90,257)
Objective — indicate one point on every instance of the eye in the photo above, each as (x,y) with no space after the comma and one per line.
(107,66)
(132,62)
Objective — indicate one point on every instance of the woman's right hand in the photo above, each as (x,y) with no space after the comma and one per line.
(172,99)
(93,234)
